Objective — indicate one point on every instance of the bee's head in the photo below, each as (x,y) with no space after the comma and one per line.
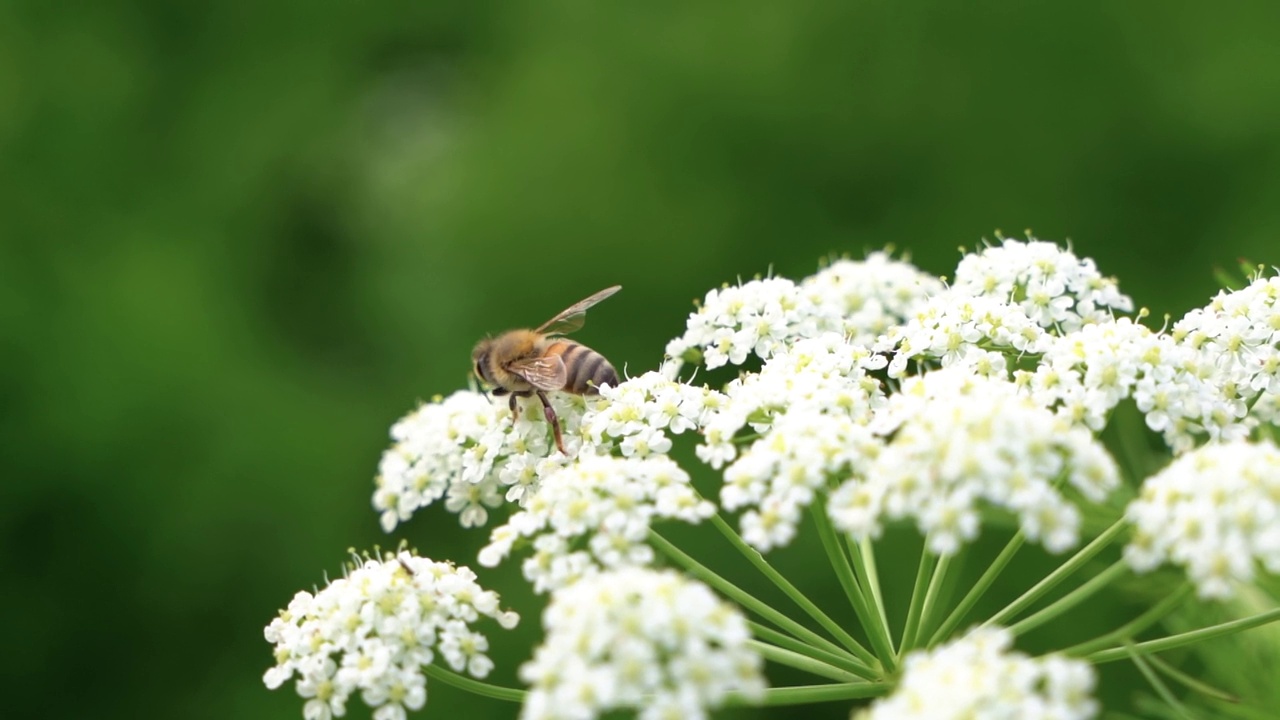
(480,359)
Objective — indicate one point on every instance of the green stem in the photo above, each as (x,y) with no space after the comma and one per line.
(877,634)
(1157,684)
(864,567)
(979,589)
(1070,600)
(909,629)
(1191,683)
(783,640)
(1236,710)
(740,596)
(1152,616)
(931,596)
(1186,638)
(806,694)
(449,677)
(1061,573)
(782,656)
(755,558)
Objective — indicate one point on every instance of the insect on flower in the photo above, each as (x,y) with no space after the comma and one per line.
(523,363)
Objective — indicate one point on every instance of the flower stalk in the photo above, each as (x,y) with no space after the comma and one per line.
(483,689)
(740,596)
(757,560)
(979,588)
(1071,599)
(1062,572)
(877,633)
(1183,639)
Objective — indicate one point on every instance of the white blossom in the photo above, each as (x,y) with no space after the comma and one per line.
(373,630)
(1084,374)
(859,299)
(1054,289)
(466,447)
(979,677)
(596,514)
(1237,340)
(958,329)
(956,442)
(637,415)
(1214,512)
(1010,298)
(643,639)
(759,318)
(862,299)
(810,406)
(821,374)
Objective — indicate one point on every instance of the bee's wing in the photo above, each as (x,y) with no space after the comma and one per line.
(545,373)
(572,317)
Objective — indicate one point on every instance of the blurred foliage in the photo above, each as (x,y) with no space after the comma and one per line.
(240,239)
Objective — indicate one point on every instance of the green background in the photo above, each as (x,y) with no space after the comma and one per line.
(240,240)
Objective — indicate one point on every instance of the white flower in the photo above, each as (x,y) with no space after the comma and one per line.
(638,638)
(1084,374)
(779,474)
(978,677)
(821,374)
(861,299)
(1052,287)
(596,514)
(1214,511)
(467,447)
(955,440)
(1237,340)
(858,299)
(373,630)
(955,328)
(637,415)
(757,318)
(810,404)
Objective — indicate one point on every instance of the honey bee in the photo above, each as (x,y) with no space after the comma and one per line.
(523,363)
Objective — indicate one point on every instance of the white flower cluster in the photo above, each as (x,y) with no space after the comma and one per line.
(1215,375)
(973,332)
(859,299)
(638,638)
(1238,336)
(1032,302)
(978,677)
(1086,373)
(810,406)
(1214,511)
(1053,287)
(755,318)
(636,415)
(1006,299)
(954,440)
(596,514)
(817,374)
(373,630)
(867,297)
(466,449)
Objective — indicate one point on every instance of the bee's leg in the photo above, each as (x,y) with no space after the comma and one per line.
(555,421)
(515,409)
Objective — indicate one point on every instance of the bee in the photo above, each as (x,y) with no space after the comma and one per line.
(523,363)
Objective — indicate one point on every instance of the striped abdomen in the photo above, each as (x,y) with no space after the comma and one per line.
(585,369)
